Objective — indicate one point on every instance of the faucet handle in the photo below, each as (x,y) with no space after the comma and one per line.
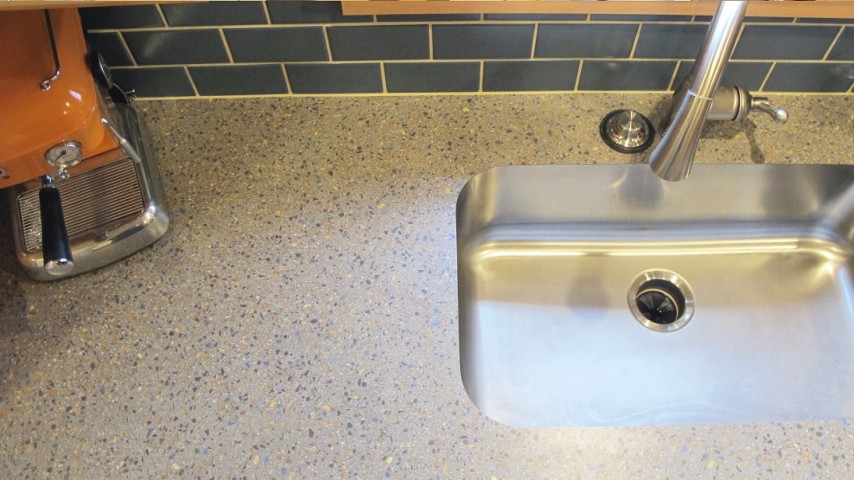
(762,104)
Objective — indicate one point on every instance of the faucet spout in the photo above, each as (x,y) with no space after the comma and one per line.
(674,155)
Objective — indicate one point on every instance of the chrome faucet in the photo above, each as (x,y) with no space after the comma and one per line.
(698,98)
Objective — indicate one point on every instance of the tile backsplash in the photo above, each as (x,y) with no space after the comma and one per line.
(308,47)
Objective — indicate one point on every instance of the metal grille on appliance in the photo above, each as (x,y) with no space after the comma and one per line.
(90,200)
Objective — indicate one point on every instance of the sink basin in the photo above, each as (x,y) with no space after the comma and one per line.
(603,295)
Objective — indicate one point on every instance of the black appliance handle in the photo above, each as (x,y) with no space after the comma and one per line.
(55,247)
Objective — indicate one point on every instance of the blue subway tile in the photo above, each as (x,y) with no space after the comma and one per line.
(844,48)
(131,16)
(277,44)
(749,75)
(310,78)
(749,20)
(111,47)
(311,12)
(482,41)
(670,40)
(384,42)
(810,77)
(626,75)
(428,18)
(585,41)
(836,21)
(537,17)
(239,79)
(797,42)
(432,77)
(154,82)
(609,17)
(509,76)
(177,46)
(214,13)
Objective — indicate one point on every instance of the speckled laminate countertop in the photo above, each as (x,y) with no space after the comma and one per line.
(299,319)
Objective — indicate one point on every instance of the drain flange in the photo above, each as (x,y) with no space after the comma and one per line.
(661,300)
(627,131)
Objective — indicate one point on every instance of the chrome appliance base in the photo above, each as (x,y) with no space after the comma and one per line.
(111,211)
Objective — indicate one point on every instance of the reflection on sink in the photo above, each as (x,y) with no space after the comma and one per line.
(547,256)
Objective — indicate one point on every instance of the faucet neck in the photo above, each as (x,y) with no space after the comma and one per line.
(674,155)
(720,42)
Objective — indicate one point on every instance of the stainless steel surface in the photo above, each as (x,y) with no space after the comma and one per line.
(92,200)
(545,258)
(672,158)
(59,268)
(687,311)
(730,103)
(111,212)
(735,103)
(705,75)
(48,82)
(763,104)
(626,130)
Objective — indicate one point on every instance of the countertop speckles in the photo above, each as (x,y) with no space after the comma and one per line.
(299,318)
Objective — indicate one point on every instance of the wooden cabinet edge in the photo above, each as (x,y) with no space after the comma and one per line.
(9,5)
(803,9)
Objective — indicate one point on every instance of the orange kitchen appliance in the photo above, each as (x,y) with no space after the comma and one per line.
(73,155)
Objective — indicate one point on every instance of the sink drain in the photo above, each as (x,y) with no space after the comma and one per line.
(661,300)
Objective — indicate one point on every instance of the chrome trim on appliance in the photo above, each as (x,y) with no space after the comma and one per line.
(125,188)
(113,190)
(63,162)
(48,82)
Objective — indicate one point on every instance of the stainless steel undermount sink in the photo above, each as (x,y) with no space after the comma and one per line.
(603,295)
